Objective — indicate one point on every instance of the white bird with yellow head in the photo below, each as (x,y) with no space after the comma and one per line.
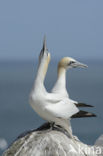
(60,85)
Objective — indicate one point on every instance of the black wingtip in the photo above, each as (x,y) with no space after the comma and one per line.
(83,105)
(83,114)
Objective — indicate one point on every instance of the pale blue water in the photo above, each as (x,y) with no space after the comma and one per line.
(16,115)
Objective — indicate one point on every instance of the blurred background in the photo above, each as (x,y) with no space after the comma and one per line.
(73,28)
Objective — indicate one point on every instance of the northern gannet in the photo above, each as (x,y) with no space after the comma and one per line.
(52,107)
(60,85)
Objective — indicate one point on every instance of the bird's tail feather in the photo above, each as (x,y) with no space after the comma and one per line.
(83,105)
(83,114)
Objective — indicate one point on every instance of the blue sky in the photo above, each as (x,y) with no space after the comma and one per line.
(73,28)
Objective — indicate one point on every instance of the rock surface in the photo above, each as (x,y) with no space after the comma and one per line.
(99,143)
(48,142)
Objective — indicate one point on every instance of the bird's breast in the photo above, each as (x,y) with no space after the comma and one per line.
(37,100)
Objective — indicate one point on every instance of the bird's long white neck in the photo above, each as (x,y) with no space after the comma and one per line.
(41,73)
(61,80)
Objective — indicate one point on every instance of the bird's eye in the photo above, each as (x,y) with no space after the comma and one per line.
(71,62)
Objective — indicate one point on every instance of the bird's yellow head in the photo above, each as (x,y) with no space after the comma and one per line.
(68,62)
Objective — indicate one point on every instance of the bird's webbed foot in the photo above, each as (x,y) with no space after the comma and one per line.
(61,129)
(52,125)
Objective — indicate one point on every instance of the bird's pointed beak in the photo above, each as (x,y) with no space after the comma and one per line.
(44,50)
(44,44)
(79,64)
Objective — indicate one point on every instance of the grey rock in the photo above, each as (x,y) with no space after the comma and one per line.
(48,142)
(99,143)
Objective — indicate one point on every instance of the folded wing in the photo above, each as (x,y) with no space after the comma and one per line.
(63,109)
